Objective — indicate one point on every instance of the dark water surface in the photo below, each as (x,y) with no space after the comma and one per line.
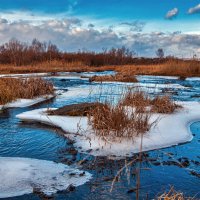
(160,168)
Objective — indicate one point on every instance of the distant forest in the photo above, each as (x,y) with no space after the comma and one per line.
(19,54)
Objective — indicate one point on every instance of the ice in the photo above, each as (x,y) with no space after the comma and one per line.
(21,103)
(19,176)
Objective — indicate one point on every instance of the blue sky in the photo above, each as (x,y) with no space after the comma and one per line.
(142,25)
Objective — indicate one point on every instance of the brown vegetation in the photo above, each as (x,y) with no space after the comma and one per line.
(141,102)
(163,104)
(118,77)
(18,57)
(53,67)
(173,195)
(117,122)
(20,53)
(181,68)
(82,109)
(12,89)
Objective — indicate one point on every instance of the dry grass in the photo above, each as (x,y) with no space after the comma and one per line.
(12,89)
(53,67)
(141,102)
(163,104)
(171,68)
(173,195)
(179,68)
(118,122)
(118,77)
(137,99)
(81,109)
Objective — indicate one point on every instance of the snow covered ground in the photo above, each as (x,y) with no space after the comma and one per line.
(171,129)
(19,176)
(24,75)
(21,103)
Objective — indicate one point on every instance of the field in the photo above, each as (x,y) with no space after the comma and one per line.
(179,68)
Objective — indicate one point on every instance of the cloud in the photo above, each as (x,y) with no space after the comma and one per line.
(172,13)
(73,34)
(68,34)
(136,26)
(194,10)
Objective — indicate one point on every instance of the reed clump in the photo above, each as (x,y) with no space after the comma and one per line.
(116,121)
(142,102)
(163,104)
(120,77)
(16,88)
(131,116)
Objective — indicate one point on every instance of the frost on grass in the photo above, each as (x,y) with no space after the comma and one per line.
(19,176)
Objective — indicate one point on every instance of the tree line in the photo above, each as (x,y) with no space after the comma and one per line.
(19,53)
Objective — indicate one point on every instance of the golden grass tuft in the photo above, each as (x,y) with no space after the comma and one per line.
(15,88)
(120,77)
(172,194)
(163,104)
(130,117)
(141,102)
(118,122)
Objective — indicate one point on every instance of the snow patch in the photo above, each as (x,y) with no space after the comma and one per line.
(171,129)
(152,77)
(21,103)
(19,176)
(24,75)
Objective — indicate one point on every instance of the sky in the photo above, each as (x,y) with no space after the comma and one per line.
(140,25)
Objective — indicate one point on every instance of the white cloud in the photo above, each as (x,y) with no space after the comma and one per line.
(172,13)
(72,35)
(194,10)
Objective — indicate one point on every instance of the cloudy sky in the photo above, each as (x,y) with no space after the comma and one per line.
(141,25)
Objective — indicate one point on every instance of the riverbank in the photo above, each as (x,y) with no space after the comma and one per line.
(180,68)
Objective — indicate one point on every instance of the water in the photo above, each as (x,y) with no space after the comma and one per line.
(42,142)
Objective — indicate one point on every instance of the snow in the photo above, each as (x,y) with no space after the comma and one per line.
(171,129)
(115,88)
(19,176)
(21,103)
(70,77)
(193,79)
(24,75)
(146,85)
(150,77)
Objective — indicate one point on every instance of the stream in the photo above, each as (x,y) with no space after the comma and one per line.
(160,170)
